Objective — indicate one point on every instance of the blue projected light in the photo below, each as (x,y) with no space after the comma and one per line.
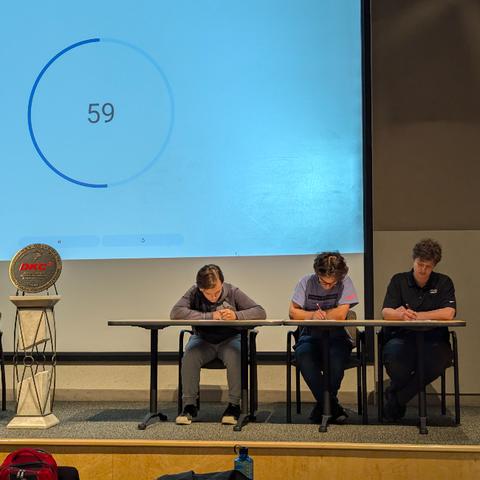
(229,128)
(166,134)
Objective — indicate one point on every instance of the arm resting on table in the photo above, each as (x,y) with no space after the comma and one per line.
(446,313)
(297,313)
(182,311)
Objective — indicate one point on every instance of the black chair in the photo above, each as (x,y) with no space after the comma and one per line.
(217,364)
(357,360)
(2,368)
(68,473)
(454,364)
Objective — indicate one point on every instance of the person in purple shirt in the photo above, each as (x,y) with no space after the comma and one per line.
(326,294)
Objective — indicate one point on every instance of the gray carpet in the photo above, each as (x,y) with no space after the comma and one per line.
(118,420)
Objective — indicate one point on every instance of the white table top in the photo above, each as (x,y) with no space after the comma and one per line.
(376,323)
(153,323)
(161,323)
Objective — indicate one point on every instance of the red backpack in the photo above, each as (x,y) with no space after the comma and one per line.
(29,464)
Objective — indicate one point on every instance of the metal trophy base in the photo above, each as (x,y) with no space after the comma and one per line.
(38,422)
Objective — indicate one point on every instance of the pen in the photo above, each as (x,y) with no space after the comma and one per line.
(324,315)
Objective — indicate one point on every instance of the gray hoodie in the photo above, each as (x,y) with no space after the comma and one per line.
(193,305)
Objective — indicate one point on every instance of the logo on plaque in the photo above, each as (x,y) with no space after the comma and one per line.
(35,268)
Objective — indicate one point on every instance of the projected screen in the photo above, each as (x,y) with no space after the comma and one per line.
(186,128)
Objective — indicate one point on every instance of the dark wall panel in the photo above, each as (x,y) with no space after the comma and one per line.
(426,114)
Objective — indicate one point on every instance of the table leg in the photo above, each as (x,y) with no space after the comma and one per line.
(253,381)
(244,415)
(326,381)
(422,398)
(380,376)
(154,415)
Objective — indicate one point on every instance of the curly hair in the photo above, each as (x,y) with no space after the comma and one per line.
(427,249)
(330,264)
(208,276)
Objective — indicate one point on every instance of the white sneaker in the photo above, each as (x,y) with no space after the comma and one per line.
(231,414)
(187,416)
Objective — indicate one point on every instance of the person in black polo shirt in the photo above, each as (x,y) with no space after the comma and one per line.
(420,294)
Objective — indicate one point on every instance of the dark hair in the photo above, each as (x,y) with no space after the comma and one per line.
(330,264)
(208,275)
(427,249)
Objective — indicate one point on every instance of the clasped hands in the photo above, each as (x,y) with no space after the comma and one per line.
(405,313)
(224,314)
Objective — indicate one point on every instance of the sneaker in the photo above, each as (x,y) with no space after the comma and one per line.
(316,413)
(339,414)
(188,414)
(393,410)
(231,414)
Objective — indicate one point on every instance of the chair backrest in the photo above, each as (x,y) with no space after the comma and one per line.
(352,331)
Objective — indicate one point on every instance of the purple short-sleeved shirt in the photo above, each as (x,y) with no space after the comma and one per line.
(310,295)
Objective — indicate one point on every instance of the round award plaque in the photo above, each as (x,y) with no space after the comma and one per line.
(35,268)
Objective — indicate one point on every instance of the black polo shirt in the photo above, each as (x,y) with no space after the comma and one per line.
(439,292)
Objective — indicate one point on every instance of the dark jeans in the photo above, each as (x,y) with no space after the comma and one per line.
(400,357)
(308,354)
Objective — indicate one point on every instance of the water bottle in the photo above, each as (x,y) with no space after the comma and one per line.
(243,463)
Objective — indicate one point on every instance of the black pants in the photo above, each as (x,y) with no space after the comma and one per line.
(308,354)
(400,358)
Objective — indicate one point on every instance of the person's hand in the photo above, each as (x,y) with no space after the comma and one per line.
(406,313)
(409,314)
(319,314)
(217,315)
(227,314)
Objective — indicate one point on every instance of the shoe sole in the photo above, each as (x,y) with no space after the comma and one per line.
(340,420)
(229,420)
(181,420)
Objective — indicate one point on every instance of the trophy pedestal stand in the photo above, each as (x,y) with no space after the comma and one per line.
(34,361)
(37,422)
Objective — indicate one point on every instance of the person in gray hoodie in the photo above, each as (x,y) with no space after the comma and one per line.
(213,299)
